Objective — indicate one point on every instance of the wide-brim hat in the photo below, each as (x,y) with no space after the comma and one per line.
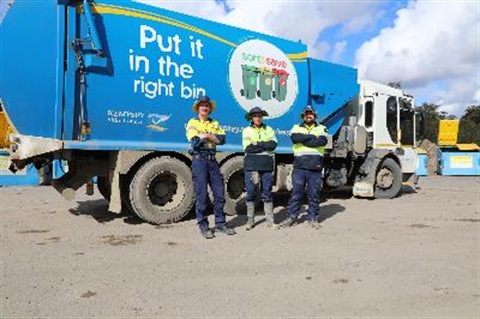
(255,110)
(308,108)
(204,99)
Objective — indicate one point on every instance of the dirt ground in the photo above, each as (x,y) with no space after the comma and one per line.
(413,256)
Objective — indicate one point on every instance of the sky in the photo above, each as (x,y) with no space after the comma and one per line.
(431,47)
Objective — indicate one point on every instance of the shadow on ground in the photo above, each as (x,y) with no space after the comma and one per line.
(326,211)
(98,210)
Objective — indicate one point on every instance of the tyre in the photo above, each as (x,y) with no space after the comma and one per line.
(235,194)
(161,191)
(104,187)
(388,181)
(234,179)
(125,181)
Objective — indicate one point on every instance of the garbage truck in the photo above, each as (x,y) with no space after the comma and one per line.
(107,86)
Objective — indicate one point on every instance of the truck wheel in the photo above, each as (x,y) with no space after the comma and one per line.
(125,181)
(259,94)
(235,194)
(161,191)
(388,180)
(103,185)
(234,178)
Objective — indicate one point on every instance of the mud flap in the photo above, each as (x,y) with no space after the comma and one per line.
(364,185)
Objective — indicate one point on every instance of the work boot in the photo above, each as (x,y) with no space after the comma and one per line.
(315,224)
(268,209)
(224,229)
(250,215)
(207,233)
(288,222)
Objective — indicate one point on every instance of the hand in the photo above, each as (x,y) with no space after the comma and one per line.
(212,138)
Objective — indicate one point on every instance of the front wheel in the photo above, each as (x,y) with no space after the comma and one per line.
(161,191)
(388,181)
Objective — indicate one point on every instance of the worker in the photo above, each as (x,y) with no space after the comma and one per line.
(309,139)
(259,142)
(204,134)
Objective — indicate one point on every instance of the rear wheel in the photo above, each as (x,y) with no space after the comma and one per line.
(235,194)
(388,180)
(161,191)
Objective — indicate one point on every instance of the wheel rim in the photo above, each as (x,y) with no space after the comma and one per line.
(385,178)
(166,190)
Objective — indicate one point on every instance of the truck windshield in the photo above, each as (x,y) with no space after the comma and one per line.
(392,118)
(407,122)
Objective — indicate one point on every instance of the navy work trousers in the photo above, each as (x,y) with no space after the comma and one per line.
(312,180)
(266,184)
(207,172)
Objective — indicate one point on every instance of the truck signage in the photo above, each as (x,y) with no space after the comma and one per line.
(260,74)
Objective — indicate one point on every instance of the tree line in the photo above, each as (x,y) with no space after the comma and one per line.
(469,130)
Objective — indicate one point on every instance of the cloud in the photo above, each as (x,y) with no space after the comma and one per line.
(338,50)
(432,49)
(205,9)
(295,20)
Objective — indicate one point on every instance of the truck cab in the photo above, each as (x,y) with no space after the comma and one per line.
(387,115)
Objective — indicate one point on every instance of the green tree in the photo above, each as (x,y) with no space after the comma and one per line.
(469,131)
(395,84)
(432,120)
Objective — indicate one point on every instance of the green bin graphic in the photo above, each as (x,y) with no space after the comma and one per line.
(249,77)
(281,77)
(266,84)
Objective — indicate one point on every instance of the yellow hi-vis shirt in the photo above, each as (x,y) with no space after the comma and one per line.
(299,149)
(196,126)
(261,159)
(253,135)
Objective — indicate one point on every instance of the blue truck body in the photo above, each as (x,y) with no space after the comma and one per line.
(154,63)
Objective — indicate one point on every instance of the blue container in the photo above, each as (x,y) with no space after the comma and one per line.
(422,161)
(26,177)
(460,163)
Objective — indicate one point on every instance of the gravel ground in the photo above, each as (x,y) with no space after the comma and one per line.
(413,256)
